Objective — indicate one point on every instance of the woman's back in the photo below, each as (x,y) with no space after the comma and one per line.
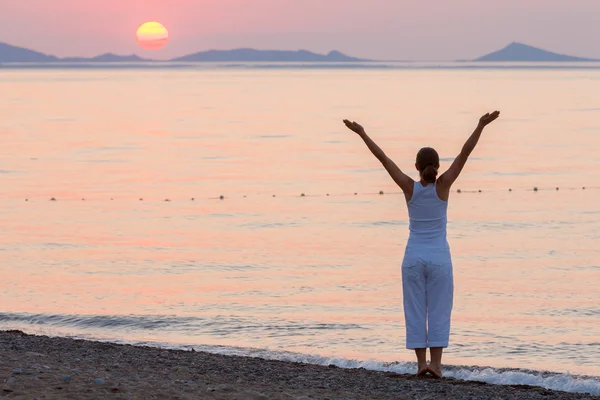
(428,218)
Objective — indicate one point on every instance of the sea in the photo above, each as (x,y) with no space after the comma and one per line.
(226,208)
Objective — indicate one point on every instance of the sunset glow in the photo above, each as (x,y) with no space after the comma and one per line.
(152,35)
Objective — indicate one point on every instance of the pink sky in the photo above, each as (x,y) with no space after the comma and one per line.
(392,29)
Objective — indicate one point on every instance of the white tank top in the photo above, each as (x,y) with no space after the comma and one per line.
(428,218)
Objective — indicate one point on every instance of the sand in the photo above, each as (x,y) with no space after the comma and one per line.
(41,367)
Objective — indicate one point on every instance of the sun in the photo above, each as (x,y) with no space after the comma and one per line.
(152,35)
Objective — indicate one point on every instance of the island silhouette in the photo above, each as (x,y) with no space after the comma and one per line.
(514,52)
(519,52)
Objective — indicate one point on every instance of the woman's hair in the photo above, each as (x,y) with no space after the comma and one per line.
(428,162)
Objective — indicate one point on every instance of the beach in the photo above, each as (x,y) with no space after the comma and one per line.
(42,367)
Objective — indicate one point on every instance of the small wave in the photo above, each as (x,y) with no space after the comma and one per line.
(272,136)
(64,245)
(553,381)
(570,312)
(224,324)
(380,223)
(91,321)
(102,161)
(270,225)
(584,109)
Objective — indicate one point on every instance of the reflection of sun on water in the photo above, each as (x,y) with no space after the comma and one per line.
(152,35)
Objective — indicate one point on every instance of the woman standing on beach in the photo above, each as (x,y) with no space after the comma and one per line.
(427,280)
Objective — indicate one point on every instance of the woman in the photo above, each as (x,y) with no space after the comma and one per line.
(427,280)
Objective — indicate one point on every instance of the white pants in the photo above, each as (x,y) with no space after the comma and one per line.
(428,287)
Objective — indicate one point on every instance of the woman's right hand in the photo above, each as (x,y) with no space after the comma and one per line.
(354,127)
(488,118)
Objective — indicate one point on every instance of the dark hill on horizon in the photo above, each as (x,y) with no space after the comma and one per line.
(10,53)
(519,52)
(108,57)
(246,54)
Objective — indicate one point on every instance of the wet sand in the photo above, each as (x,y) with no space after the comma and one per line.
(41,367)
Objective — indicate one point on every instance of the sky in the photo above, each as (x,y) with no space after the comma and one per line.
(377,29)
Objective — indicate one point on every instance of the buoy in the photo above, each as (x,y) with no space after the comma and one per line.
(273,195)
(479,190)
(510,190)
(141,199)
(53,199)
(459,191)
(193,199)
(557,188)
(381,192)
(535,189)
(355,194)
(221,197)
(302,195)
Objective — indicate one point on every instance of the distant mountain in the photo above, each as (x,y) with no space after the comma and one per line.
(108,57)
(13,54)
(521,52)
(10,53)
(250,55)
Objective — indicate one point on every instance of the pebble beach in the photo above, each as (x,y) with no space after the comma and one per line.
(42,367)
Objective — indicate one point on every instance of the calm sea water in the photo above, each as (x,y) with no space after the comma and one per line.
(138,246)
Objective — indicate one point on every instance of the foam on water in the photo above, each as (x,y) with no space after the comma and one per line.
(496,376)
(55,325)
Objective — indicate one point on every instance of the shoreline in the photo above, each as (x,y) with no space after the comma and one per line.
(57,368)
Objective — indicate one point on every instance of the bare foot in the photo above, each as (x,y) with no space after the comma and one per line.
(423,369)
(435,371)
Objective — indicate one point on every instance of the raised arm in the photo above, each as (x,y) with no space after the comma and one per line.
(446,180)
(404,181)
